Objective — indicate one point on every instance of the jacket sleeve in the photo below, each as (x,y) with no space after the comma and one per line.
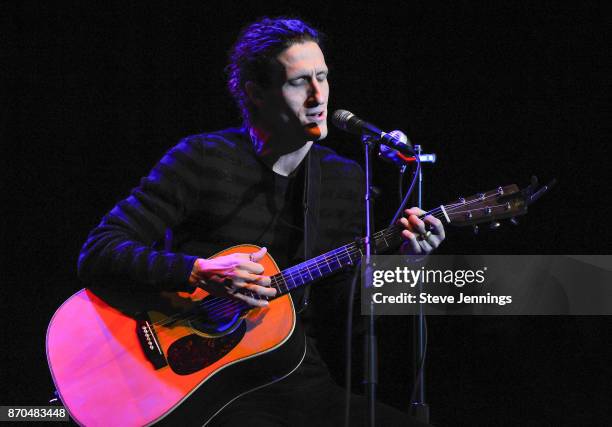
(119,251)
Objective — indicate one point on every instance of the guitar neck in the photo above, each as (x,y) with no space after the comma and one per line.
(333,261)
(501,203)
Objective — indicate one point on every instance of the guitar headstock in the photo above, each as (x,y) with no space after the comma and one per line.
(490,206)
(494,205)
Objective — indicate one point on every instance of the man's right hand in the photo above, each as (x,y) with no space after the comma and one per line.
(226,275)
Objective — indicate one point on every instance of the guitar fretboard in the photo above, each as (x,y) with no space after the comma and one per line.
(307,272)
(330,262)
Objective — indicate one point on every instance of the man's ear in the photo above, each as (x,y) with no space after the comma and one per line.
(255,93)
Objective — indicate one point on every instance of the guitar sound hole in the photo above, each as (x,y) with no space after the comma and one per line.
(216,316)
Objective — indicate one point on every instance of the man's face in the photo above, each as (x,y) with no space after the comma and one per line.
(296,103)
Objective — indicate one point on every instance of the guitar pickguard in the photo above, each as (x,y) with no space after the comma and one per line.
(193,352)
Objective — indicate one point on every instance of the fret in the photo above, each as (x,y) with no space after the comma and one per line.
(380,240)
(278,280)
(290,283)
(328,267)
(308,271)
(276,284)
(302,272)
(360,251)
(326,262)
(316,263)
(251,294)
(337,259)
(296,274)
(350,260)
(285,282)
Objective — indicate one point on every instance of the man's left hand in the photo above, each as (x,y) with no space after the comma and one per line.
(420,237)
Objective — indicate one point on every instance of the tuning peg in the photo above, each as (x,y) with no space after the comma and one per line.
(476,229)
(514,221)
(494,225)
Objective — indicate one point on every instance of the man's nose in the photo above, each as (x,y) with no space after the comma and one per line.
(315,95)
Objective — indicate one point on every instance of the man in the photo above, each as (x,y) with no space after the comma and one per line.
(266,183)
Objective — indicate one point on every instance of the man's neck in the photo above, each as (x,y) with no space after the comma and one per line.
(274,152)
(287,163)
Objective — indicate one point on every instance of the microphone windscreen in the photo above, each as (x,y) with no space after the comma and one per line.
(348,122)
(340,119)
(400,136)
(389,154)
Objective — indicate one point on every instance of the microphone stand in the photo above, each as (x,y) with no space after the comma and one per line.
(419,408)
(371,359)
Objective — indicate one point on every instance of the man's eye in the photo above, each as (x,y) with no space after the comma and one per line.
(322,77)
(297,82)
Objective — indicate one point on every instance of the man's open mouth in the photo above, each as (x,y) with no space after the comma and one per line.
(316,116)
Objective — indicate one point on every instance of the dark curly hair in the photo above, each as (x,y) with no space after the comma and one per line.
(252,57)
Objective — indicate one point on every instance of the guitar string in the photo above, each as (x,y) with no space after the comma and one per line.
(323,259)
(290,274)
(307,266)
(277,281)
(280,278)
(213,307)
(219,305)
(224,307)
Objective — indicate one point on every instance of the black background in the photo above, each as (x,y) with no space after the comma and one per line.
(94,94)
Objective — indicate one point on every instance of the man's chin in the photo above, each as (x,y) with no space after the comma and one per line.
(315,131)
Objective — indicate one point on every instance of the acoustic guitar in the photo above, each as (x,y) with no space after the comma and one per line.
(139,359)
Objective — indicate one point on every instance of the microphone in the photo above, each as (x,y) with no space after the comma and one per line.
(391,155)
(349,122)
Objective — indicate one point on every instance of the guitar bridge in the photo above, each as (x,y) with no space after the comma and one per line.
(150,344)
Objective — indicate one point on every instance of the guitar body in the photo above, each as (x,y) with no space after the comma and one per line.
(104,376)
